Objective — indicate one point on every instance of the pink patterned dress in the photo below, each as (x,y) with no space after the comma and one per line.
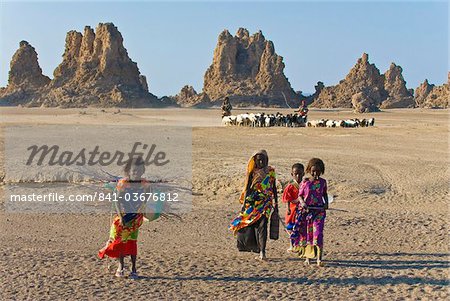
(308,227)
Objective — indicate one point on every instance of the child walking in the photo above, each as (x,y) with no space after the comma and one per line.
(307,232)
(129,216)
(290,197)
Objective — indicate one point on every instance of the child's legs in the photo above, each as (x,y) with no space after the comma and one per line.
(133,263)
(317,232)
(132,251)
(309,230)
(318,226)
(121,263)
(303,233)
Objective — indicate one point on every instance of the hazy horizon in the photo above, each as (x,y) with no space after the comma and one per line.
(173,42)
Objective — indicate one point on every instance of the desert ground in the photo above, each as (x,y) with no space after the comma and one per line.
(390,242)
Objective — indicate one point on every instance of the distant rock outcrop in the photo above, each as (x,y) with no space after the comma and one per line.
(25,76)
(364,102)
(247,70)
(363,79)
(95,71)
(431,96)
(188,97)
(366,90)
(398,95)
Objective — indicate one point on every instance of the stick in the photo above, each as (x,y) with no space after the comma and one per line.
(285,100)
(333,209)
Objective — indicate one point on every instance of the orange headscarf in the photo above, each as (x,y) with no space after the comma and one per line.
(250,168)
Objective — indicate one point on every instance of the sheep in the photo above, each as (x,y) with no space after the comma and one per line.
(226,121)
(330,124)
(352,123)
(252,119)
(261,120)
(239,120)
(317,123)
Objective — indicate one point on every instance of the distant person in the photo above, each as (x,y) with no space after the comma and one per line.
(259,200)
(226,107)
(307,232)
(303,111)
(290,197)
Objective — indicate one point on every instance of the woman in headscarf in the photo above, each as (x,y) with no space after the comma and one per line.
(259,197)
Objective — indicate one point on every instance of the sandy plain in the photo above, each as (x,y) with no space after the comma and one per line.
(391,242)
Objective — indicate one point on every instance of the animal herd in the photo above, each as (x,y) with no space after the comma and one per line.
(265,120)
(347,123)
(291,120)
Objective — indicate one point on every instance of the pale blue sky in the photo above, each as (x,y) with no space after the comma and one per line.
(173,42)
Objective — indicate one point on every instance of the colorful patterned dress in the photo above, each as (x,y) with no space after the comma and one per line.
(307,233)
(258,201)
(123,238)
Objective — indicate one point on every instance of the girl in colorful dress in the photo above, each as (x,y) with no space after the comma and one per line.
(290,197)
(129,216)
(258,198)
(307,232)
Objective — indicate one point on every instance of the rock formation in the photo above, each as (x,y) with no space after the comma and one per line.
(363,78)
(431,96)
(247,70)
(364,102)
(188,97)
(398,95)
(95,71)
(25,76)
(366,90)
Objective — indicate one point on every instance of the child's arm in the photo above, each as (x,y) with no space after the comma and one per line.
(302,202)
(301,195)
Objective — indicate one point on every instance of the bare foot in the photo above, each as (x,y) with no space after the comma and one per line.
(307,261)
(320,263)
(120,273)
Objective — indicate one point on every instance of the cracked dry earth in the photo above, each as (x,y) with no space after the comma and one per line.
(391,242)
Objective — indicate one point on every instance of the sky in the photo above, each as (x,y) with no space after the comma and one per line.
(173,42)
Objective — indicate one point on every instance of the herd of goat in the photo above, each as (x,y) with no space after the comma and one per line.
(291,120)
